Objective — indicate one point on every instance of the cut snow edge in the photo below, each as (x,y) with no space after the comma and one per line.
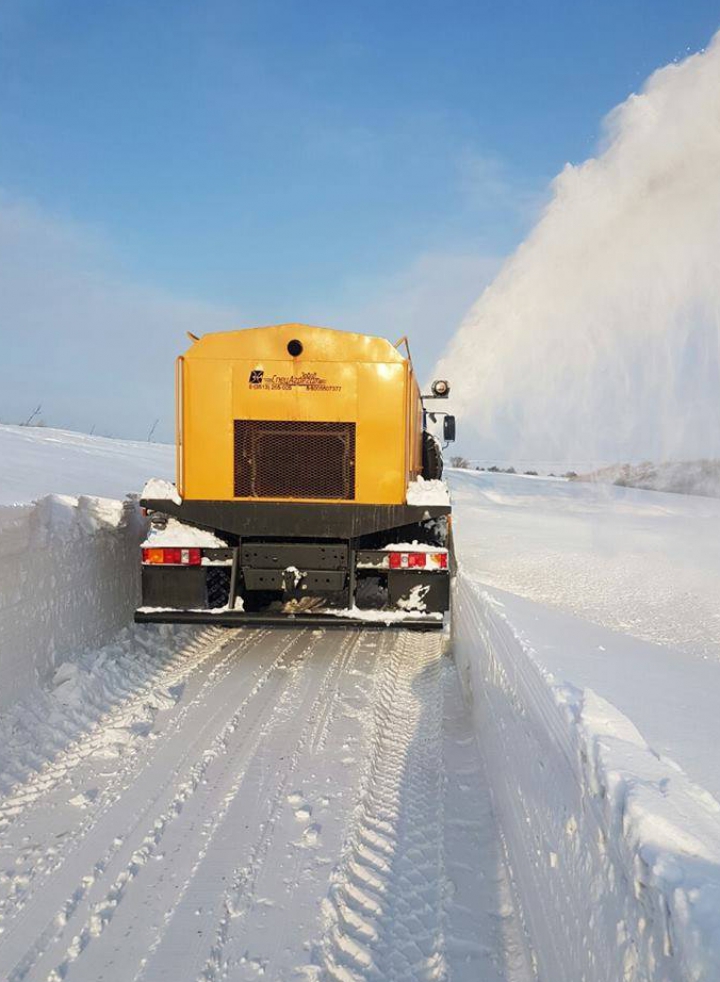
(623,826)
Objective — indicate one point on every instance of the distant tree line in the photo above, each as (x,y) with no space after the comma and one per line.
(464,464)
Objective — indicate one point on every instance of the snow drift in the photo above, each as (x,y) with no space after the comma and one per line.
(69,578)
(614,853)
(600,336)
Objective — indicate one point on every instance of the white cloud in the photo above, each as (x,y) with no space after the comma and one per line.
(94,348)
(97,349)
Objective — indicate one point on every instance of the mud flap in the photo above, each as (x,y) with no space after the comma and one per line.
(425,592)
(185,586)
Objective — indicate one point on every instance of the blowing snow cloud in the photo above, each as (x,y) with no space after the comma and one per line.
(601,335)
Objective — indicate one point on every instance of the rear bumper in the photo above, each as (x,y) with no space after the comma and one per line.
(296,519)
(239,618)
(171,592)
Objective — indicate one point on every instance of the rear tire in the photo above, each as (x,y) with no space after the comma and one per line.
(432,462)
(218,586)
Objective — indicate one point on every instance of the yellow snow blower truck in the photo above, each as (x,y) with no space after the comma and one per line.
(308,486)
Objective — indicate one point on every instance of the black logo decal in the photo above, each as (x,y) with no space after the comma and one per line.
(256,376)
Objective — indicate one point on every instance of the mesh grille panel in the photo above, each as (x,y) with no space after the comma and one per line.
(292,459)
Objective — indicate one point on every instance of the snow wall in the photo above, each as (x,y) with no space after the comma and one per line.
(69,579)
(613,852)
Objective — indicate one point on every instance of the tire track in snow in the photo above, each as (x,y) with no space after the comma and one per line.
(53,913)
(384,913)
(55,771)
(38,861)
(306,786)
(307,698)
(213,793)
(266,930)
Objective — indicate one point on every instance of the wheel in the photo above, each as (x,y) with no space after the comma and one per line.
(432,462)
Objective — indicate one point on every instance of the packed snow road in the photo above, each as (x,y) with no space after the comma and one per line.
(279,804)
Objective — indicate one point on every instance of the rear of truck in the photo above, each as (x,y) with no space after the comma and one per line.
(299,490)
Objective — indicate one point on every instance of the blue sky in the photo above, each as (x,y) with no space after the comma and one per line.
(183,165)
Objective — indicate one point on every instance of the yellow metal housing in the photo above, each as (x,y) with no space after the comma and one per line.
(337,378)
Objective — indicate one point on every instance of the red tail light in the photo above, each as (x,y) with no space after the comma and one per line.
(172,556)
(418,560)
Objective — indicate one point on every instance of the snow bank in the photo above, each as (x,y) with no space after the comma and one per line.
(69,571)
(69,579)
(614,852)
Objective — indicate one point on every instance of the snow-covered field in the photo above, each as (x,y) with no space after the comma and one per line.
(638,562)
(36,461)
(201,804)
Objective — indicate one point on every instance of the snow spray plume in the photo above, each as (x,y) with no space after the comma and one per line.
(600,336)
